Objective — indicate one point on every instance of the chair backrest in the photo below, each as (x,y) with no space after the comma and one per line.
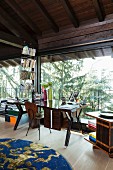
(31,109)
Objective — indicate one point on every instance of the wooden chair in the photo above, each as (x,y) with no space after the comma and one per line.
(34,116)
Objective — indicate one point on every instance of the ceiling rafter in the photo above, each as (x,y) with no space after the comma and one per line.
(23,16)
(98,9)
(45,13)
(66,57)
(1,65)
(12,63)
(68,8)
(16,62)
(10,40)
(9,52)
(14,27)
(4,63)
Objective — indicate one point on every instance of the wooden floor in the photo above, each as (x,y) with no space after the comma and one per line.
(79,153)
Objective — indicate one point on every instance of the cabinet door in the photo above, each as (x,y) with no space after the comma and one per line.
(103,135)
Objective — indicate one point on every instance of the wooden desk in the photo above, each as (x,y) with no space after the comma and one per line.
(104,133)
(20,109)
(53,116)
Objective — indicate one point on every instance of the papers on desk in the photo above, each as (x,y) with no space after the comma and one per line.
(70,106)
(73,106)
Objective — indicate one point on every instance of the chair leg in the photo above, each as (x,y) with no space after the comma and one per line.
(39,129)
(28,130)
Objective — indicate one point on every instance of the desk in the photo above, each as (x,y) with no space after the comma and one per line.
(53,116)
(20,108)
(52,111)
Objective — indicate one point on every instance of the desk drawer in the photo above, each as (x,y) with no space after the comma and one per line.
(53,118)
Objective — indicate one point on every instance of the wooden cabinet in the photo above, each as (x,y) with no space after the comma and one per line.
(104,133)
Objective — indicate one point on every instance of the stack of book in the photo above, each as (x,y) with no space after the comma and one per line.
(92,124)
(92,136)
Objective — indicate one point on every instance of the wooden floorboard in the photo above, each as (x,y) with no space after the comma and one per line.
(79,153)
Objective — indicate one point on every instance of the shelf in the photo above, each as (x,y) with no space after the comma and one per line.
(91,128)
(87,139)
(104,134)
(95,146)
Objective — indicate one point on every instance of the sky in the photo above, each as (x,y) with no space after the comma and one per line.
(99,63)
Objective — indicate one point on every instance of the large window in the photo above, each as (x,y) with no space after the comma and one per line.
(10,84)
(91,78)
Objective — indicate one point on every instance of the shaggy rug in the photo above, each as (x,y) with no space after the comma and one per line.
(26,155)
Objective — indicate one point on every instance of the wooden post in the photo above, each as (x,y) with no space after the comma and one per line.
(38,74)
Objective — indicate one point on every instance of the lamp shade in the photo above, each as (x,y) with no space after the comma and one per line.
(25,50)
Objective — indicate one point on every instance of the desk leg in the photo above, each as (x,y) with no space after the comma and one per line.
(78,118)
(68,133)
(19,115)
(18,120)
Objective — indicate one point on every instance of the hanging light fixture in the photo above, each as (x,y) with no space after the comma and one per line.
(25,50)
(30,51)
(33,52)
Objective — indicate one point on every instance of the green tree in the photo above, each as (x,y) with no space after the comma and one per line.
(9,83)
(64,75)
(97,89)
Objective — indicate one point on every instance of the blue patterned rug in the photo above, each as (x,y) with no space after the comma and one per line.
(26,155)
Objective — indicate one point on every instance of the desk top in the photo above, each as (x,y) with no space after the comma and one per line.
(97,115)
(54,104)
(15,102)
(57,104)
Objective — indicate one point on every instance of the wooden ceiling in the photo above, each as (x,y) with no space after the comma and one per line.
(75,28)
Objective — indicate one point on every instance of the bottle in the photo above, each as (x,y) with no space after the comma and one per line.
(50,93)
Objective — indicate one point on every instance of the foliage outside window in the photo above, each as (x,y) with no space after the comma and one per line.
(11,85)
(69,76)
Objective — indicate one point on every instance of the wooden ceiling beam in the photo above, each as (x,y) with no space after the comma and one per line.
(9,53)
(18,60)
(68,8)
(10,40)
(1,65)
(23,16)
(15,61)
(98,10)
(4,64)
(66,57)
(8,25)
(14,27)
(45,13)
(11,62)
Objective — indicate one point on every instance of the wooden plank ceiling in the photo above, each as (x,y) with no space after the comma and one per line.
(75,28)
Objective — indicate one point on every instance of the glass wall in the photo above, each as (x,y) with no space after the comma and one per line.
(91,78)
(10,84)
